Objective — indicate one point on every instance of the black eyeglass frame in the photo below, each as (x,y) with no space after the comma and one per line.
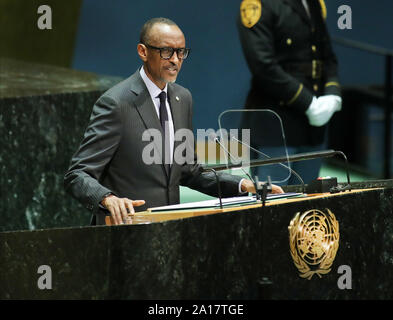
(185,54)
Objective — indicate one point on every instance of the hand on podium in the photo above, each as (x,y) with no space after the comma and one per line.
(248,186)
(120,208)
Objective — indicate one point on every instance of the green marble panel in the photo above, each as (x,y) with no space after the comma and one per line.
(44,111)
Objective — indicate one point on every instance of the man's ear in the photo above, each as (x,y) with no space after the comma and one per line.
(142,51)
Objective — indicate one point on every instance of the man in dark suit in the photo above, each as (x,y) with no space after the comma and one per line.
(294,72)
(111,170)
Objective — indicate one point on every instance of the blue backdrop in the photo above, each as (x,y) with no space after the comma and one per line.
(216,72)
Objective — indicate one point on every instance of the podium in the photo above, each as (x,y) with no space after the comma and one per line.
(233,253)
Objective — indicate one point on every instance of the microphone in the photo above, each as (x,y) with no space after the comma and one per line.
(291,158)
(265,155)
(216,139)
(261,190)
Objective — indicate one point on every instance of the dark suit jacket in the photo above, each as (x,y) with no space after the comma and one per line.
(109,158)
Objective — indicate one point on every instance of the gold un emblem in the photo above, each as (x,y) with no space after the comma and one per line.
(250,11)
(313,240)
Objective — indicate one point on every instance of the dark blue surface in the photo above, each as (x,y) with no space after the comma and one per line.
(216,72)
(372,23)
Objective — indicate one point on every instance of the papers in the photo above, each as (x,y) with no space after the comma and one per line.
(207,204)
(284,195)
(226,202)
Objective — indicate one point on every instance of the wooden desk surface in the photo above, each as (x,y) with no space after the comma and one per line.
(145,217)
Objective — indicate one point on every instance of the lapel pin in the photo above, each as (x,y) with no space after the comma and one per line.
(177,98)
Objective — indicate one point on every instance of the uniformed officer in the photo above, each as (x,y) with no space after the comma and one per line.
(294,72)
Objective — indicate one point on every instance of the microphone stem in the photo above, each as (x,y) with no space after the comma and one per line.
(281,164)
(233,159)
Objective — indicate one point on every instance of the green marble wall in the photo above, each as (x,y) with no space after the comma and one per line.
(43,113)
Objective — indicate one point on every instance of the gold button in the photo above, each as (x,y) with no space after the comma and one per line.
(315,87)
(314,48)
(289,41)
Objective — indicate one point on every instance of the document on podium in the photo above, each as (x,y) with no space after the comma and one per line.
(207,204)
(226,202)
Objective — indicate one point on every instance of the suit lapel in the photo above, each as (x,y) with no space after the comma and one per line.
(298,6)
(147,111)
(175,104)
(145,107)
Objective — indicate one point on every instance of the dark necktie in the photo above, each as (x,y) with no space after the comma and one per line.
(165,135)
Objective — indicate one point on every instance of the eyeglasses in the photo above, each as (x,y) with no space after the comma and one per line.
(167,52)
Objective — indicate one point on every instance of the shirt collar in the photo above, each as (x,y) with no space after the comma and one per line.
(154,91)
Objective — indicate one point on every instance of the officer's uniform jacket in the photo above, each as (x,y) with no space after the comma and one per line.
(290,57)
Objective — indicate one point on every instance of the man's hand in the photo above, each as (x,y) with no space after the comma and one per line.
(248,186)
(120,208)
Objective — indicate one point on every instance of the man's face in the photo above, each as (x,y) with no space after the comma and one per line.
(159,70)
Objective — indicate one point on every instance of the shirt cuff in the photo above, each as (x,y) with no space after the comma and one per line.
(105,195)
(240,187)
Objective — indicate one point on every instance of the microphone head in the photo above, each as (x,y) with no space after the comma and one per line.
(213,137)
(233,137)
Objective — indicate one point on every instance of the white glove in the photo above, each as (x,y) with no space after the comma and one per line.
(333,100)
(321,109)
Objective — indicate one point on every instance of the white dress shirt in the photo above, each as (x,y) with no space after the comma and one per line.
(154,92)
(305,4)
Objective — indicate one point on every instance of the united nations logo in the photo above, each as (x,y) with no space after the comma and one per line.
(250,12)
(313,241)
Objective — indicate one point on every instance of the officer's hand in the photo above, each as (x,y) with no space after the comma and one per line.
(120,208)
(333,100)
(322,109)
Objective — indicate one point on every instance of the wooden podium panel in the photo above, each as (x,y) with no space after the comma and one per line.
(148,216)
